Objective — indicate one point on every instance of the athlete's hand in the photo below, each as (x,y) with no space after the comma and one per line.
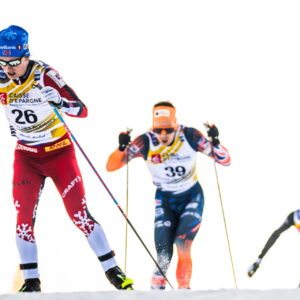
(124,140)
(252,269)
(51,95)
(213,132)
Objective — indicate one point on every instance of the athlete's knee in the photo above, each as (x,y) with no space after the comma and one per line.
(83,222)
(164,248)
(25,231)
(79,214)
(187,231)
(183,243)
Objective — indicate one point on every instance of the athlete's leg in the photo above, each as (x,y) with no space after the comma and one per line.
(164,233)
(189,224)
(27,187)
(67,178)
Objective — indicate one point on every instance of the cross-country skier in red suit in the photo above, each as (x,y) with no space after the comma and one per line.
(28,90)
(170,152)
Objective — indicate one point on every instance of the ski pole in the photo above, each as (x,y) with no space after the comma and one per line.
(223,213)
(109,192)
(127,208)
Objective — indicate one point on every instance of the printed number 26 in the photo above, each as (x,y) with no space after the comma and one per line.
(28,115)
(171,172)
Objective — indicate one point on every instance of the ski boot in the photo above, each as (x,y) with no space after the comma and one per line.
(31,285)
(117,278)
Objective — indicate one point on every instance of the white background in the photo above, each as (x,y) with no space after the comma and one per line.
(232,63)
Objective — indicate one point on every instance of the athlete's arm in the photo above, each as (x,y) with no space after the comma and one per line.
(272,239)
(71,104)
(138,148)
(200,143)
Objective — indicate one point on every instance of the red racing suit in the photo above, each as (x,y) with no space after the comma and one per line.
(44,149)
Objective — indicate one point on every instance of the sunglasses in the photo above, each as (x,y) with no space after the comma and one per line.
(167,130)
(12,63)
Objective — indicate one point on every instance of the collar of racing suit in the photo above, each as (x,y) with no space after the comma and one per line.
(23,78)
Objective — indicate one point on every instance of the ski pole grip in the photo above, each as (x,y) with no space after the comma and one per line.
(129,131)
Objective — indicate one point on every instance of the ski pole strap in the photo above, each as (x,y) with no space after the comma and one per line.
(106,256)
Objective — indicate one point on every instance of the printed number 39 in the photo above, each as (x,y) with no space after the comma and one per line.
(172,172)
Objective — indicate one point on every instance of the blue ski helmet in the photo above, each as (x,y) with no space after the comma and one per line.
(14,42)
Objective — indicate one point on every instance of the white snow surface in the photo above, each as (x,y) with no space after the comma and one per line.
(230,294)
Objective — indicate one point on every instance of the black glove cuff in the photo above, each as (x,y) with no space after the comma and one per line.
(57,105)
(215,142)
(122,147)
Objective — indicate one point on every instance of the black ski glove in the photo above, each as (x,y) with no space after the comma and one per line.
(124,140)
(213,132)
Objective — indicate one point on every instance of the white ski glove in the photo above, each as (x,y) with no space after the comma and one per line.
(252,269)
(51,95)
